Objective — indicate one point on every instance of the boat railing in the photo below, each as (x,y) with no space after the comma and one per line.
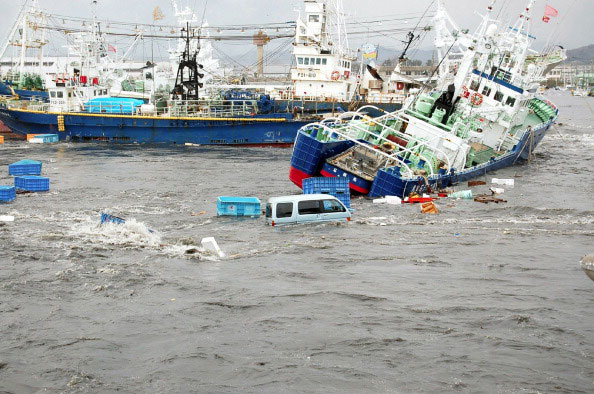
(384,140)
(393,116)
(329,130)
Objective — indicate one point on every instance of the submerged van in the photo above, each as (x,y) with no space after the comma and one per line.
(305,208)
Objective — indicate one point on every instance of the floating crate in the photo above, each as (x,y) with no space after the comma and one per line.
(1,139)
(44,139)
(105,218)
(32,183)
(25,167)
(238,206)
(335,186)
(7,193)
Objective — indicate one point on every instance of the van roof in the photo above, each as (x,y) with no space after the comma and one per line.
(301,197)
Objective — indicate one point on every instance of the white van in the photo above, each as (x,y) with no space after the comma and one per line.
(305,208)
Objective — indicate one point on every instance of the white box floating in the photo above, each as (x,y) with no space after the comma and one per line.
(210,244)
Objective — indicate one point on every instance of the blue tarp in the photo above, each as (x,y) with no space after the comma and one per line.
(113,105)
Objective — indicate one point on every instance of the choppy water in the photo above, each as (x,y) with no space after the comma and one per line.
(481,298)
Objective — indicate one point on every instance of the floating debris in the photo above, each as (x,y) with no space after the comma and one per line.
(487,198)
(588,265)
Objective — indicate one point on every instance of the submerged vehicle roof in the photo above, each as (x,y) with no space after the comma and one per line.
(302,197)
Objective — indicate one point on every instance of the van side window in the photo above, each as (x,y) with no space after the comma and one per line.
(284,210)
(309,207)
(332,206)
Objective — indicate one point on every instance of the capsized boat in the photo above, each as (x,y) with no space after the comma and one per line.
(484,115)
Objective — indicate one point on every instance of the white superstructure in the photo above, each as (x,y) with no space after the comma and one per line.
(323,61)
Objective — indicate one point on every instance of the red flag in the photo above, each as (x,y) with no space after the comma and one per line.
(549,12)
(111,48)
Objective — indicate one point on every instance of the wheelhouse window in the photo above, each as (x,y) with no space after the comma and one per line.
(307,61)
(498,96)
(299,60)
(318,61)
(309,207)
(284,210)
(474,85)
(314,18)
(486,91)
(324,62)
(60,94)
(510,101)
(53,94)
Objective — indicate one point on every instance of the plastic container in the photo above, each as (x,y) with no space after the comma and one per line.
(238,206)
(25,167)
(393,200)
(467,194)
(44,139)
(7,193)
(334,186)
(210,244)
(506,182)
(105,217)
(32,183)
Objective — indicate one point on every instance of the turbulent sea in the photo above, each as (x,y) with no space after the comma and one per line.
(480,298)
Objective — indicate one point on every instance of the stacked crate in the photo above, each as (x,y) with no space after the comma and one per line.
(336,186)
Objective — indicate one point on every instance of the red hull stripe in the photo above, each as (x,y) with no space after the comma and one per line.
(356,188)
(297,176)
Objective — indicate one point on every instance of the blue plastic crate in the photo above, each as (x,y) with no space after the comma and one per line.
(238,206)
(335,186)
(105,217)
(45,138)
(32,183)
(25,167)
(7,193)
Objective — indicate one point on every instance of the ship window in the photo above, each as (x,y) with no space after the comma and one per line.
(309,207)
(53,94)
(314,18)
(510,101)
(486,91)
(306,61)
(60,94)
(300,60)
(69,94)
(474,85)
(332,206)
(284,210)
(498,96)
(324,61)
(318,61)
(312,60)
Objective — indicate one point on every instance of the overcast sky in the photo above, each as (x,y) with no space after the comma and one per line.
(573,27)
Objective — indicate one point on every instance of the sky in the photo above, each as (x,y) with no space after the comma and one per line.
(572,28)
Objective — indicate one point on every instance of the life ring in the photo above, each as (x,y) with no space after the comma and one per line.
(400,85)
(476,99)
(465,92)
(335,75)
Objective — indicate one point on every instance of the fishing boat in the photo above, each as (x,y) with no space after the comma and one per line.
(81,109)
(483,115)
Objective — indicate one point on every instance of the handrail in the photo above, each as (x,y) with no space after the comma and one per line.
(347,137)
(383,139)
(398,132)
